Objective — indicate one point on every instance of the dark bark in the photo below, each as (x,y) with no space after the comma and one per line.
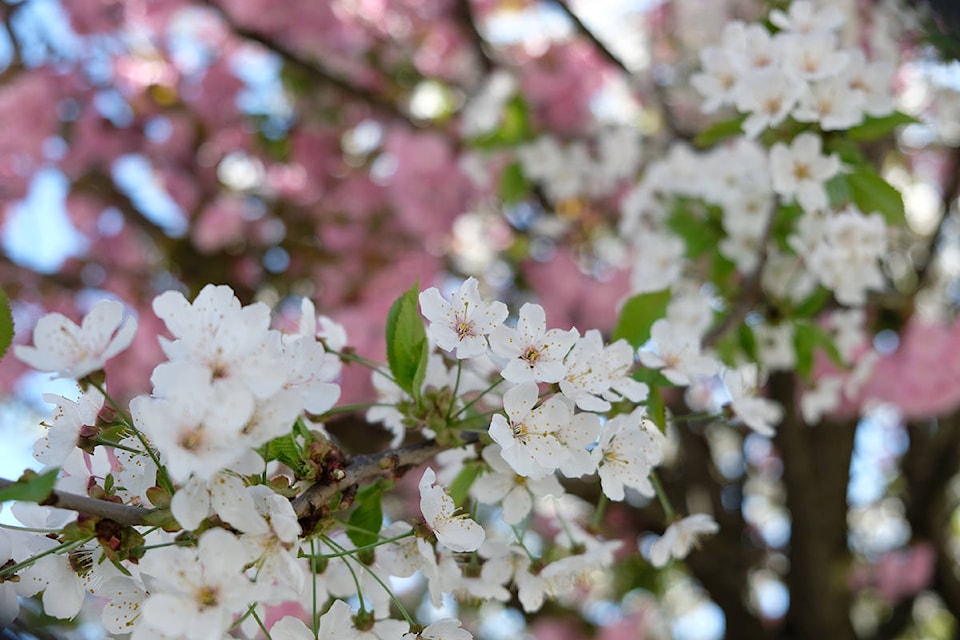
(816,464)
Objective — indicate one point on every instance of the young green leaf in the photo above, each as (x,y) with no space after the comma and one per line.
(366,520)
(31,487)
(460,487)
(421,373)
(285,450)
(657,409)
(638,314)
(871,193)
(6,324)
(719,131)
(807,338)
(514,185)
(876,128)
(406,338)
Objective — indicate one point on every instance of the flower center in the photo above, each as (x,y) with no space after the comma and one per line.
(208,596)
(531,355)
(464,327)
(520,432)
(191,440)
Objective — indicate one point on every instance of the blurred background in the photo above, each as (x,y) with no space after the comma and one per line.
(340,150)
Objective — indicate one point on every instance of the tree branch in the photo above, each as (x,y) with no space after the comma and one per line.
(816,463)
(122,513)
(949,193)
(464,15)
(751,292)
(311,503)
(312,68)
(586,33)
(315,500)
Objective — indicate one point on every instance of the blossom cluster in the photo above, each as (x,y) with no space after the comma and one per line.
(227,437)
(799,71)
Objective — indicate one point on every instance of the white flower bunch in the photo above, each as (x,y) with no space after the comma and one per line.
(799,71)
(193,526)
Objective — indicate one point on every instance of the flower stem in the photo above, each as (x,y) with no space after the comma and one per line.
(396,600)
(350,552)
(598,513)
(662,496)
(62,547)
(370,364)
(163,478)
(456,388)
(477,399)
(356,580)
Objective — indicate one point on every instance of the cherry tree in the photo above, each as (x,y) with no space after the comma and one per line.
(436,319)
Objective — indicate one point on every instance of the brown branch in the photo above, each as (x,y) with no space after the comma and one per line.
(464,15)
(949,193)
(586,33)
(929,467)
(724,561)
(315,500)
(311,68)
(750,293)
(121,513)
(816,463)
(312,502)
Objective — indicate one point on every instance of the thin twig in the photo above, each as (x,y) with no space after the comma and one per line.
(585,32)
(311,67)
(464,15)
(365,467)
(750,292)
(121,513)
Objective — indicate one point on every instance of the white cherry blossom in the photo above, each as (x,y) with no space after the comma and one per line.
(463,323)
(197,593)
(760,414)
(65,425)
(515,493)
(533,354)
(537,440)
(630,446)
(235,343)
(680,537)
(800,170)
(445,629)
(72,351)
(458,532)
(677,354)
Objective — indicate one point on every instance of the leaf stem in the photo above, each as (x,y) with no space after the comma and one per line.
(161,470)
(662,496)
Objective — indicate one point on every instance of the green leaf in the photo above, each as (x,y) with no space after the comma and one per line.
(871,193)
(286,450)
(697,225)
(514,186)
(656,409)
(31,487)
(876,128)
(514,128)
(460,487)
(6,324)
(838,191)
(784,224)
(638,314)
(421,373)
(719,131)
(807,338)
(651,378)
(366,520)
(812,305)
(405,339)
